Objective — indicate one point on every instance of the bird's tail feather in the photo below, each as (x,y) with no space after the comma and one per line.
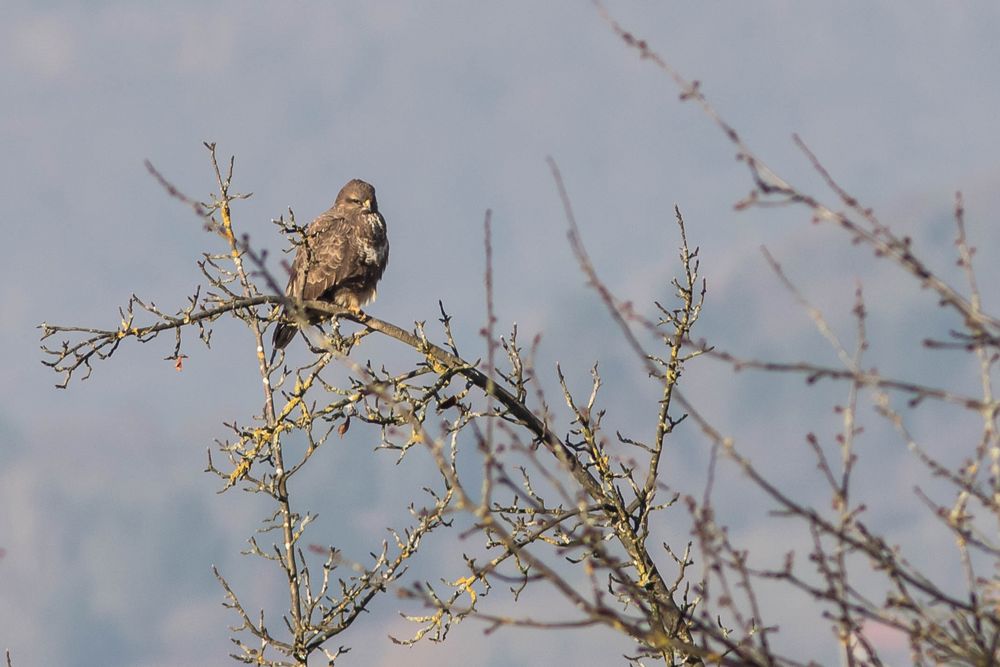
(283,335)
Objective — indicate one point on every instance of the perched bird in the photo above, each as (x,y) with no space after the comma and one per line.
(342,258)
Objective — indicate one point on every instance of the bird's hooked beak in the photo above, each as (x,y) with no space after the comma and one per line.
(367,207)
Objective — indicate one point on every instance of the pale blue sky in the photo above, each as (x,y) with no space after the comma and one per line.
(449,108)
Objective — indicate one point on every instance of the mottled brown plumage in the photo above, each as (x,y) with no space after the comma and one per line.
(342,258)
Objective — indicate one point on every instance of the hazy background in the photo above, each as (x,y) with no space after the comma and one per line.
(108,526)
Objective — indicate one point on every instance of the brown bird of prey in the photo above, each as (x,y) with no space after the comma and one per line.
(342,258)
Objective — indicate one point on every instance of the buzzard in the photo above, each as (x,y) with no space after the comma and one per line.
(342,257)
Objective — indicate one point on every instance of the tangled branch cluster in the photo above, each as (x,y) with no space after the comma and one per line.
(590,496)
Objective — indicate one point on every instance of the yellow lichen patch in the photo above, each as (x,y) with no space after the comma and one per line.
(256,436)
(239,471)
(439,367)
(466,583)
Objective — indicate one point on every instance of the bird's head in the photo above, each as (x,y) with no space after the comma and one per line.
(357,195)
